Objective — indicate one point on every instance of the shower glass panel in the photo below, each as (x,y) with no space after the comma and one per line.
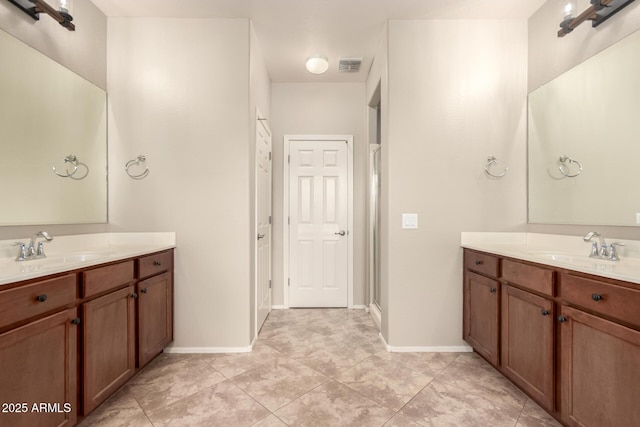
(375,206)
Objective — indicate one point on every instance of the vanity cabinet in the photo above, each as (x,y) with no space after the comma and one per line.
(482,304)
(34,316)
(570,340)
(155,305)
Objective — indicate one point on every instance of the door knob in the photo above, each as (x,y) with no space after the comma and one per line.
(260,236)
(340,233)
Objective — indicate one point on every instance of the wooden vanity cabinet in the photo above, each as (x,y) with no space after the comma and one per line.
(155,305)
(108,332)
(481,315)
(38,353)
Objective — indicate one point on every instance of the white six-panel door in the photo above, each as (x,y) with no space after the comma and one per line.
(263,201)
(318,212)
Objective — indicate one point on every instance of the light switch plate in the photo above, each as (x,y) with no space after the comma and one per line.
(410,221)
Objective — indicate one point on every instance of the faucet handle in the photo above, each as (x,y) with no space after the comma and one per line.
(613,254)
(594,250)
(604,251)
(22,251)
(40,251)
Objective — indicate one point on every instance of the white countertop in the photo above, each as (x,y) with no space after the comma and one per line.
(568,252)
(66,253)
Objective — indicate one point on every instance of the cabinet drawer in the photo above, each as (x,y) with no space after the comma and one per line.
(154,264)
(482,263)
(102,279)
(41,297)
(535,278)
(604,298)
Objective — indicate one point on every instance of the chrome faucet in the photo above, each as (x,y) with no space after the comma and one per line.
(33,251)
(605,252)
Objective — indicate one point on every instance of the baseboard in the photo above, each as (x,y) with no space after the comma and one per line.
(429,349)
(279,307)
(189,350)
(358,307)
(376,315)
(384,343)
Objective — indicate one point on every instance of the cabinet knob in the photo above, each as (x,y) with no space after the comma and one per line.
(596,297)
(493,290)
(545,312)
(478,262)
(134,296)
(158,263)
(41,298)
(562,319)
(143,290)
(75,321)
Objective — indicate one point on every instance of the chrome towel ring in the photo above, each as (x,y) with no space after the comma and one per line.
(72,160)
(564,168)
(491,160)
(137,161)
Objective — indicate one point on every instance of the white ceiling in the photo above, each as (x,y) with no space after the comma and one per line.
(289,31)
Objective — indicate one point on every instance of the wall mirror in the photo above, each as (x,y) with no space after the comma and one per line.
(584,141)
(49,118)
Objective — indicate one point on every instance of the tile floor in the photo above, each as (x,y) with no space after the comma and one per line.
(319,367)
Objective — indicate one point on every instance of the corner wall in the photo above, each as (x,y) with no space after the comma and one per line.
(457,94)
(179,93)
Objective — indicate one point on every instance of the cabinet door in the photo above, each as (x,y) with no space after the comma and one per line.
(527,345)
(600,371)
(33,376)
(109,345)
(155,316)
(481,305)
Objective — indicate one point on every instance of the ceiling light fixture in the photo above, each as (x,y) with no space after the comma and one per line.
(317,64)
(597,13)
(34,8)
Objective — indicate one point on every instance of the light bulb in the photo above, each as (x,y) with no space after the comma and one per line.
(570,10)
(317,64)
(64,6)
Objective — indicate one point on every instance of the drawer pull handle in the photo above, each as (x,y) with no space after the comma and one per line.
(134,296)
(75,321)
(478,262)
(41,298)
(158,263)
(562,319)
(143,290)
(493,290)
(545,312)
(596,297)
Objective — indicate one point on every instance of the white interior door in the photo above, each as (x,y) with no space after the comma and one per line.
(263,206)
(318,211)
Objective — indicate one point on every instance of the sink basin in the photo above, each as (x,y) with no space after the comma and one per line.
(560,256)
(73,257)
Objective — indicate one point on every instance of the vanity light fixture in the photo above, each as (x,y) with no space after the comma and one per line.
(317,64)
(597,13)
(34,8)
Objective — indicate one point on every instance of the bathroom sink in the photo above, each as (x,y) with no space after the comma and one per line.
(560,256)
(74,257)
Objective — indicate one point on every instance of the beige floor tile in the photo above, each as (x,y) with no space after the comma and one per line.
(223,404)
(120,410)
(278,382)
(473,374)
(442,404)
(534,416)
(385,382)
(270,421)
(428,363)
(333,404)
(400,420)
(330,357)
(172,379)
(232,364)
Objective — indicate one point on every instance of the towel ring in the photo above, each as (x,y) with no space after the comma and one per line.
(72,160)
(564,160)
(137,161)
(491,160)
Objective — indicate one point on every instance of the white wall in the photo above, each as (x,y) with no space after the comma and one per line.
(320,108)
(550,56)
(83,51)
(457,94)
(179,93)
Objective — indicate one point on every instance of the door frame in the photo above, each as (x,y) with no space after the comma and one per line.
(285,209)
(260,121)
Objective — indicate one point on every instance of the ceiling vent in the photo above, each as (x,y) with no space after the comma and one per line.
(349,65)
